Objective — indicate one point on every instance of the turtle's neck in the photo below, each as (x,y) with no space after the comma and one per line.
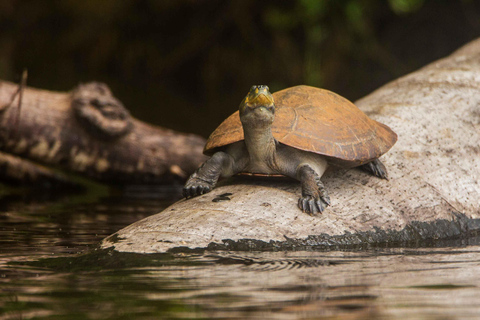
(261,147)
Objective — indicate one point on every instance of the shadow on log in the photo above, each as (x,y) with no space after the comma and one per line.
(88,131)
(433,192)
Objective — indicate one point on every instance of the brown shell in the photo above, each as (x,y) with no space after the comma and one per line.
(319,121)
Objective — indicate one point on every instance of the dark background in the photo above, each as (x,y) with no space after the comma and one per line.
(186,64)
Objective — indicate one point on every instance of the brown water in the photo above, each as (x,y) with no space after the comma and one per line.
(50,270)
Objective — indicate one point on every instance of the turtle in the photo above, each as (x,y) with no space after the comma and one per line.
(296,132)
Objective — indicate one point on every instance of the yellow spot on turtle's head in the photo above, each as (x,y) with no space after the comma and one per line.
(256,90)
(258,96)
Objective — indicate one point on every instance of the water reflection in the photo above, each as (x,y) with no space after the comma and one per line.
(37,224)
(389,283)
(42,277)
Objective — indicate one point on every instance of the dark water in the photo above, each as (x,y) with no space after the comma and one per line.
(49,269)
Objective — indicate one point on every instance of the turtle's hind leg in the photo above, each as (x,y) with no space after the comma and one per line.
(375,168)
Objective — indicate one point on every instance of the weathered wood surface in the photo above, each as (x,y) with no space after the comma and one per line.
(88,131)
(433,191)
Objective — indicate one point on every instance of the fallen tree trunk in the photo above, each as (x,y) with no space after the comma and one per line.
(433,192)
(88,131)
(17,171)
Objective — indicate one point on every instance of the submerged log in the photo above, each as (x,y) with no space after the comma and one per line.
(433,192)
(89,131)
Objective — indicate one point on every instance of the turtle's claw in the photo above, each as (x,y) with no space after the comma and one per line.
(203,189)
(321,205)
(187,192)
(303,204)
(326,199)
(195,187)
(313,206)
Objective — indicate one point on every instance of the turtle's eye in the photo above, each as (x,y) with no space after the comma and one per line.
(271,108)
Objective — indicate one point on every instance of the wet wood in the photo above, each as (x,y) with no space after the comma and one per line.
(90,132)
(433,192)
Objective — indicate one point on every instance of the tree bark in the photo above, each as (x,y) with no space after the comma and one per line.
(88,131)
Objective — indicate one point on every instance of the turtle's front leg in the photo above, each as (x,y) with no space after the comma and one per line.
(314,196)
(206,176)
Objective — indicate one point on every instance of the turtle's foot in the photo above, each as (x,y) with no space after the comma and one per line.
(314,206)
(206,176)
(314,196)
(314,200)
(376,168)
(195,187)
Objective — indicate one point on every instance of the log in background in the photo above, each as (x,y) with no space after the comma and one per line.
(88,131)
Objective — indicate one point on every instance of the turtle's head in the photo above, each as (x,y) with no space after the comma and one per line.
(258,107)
